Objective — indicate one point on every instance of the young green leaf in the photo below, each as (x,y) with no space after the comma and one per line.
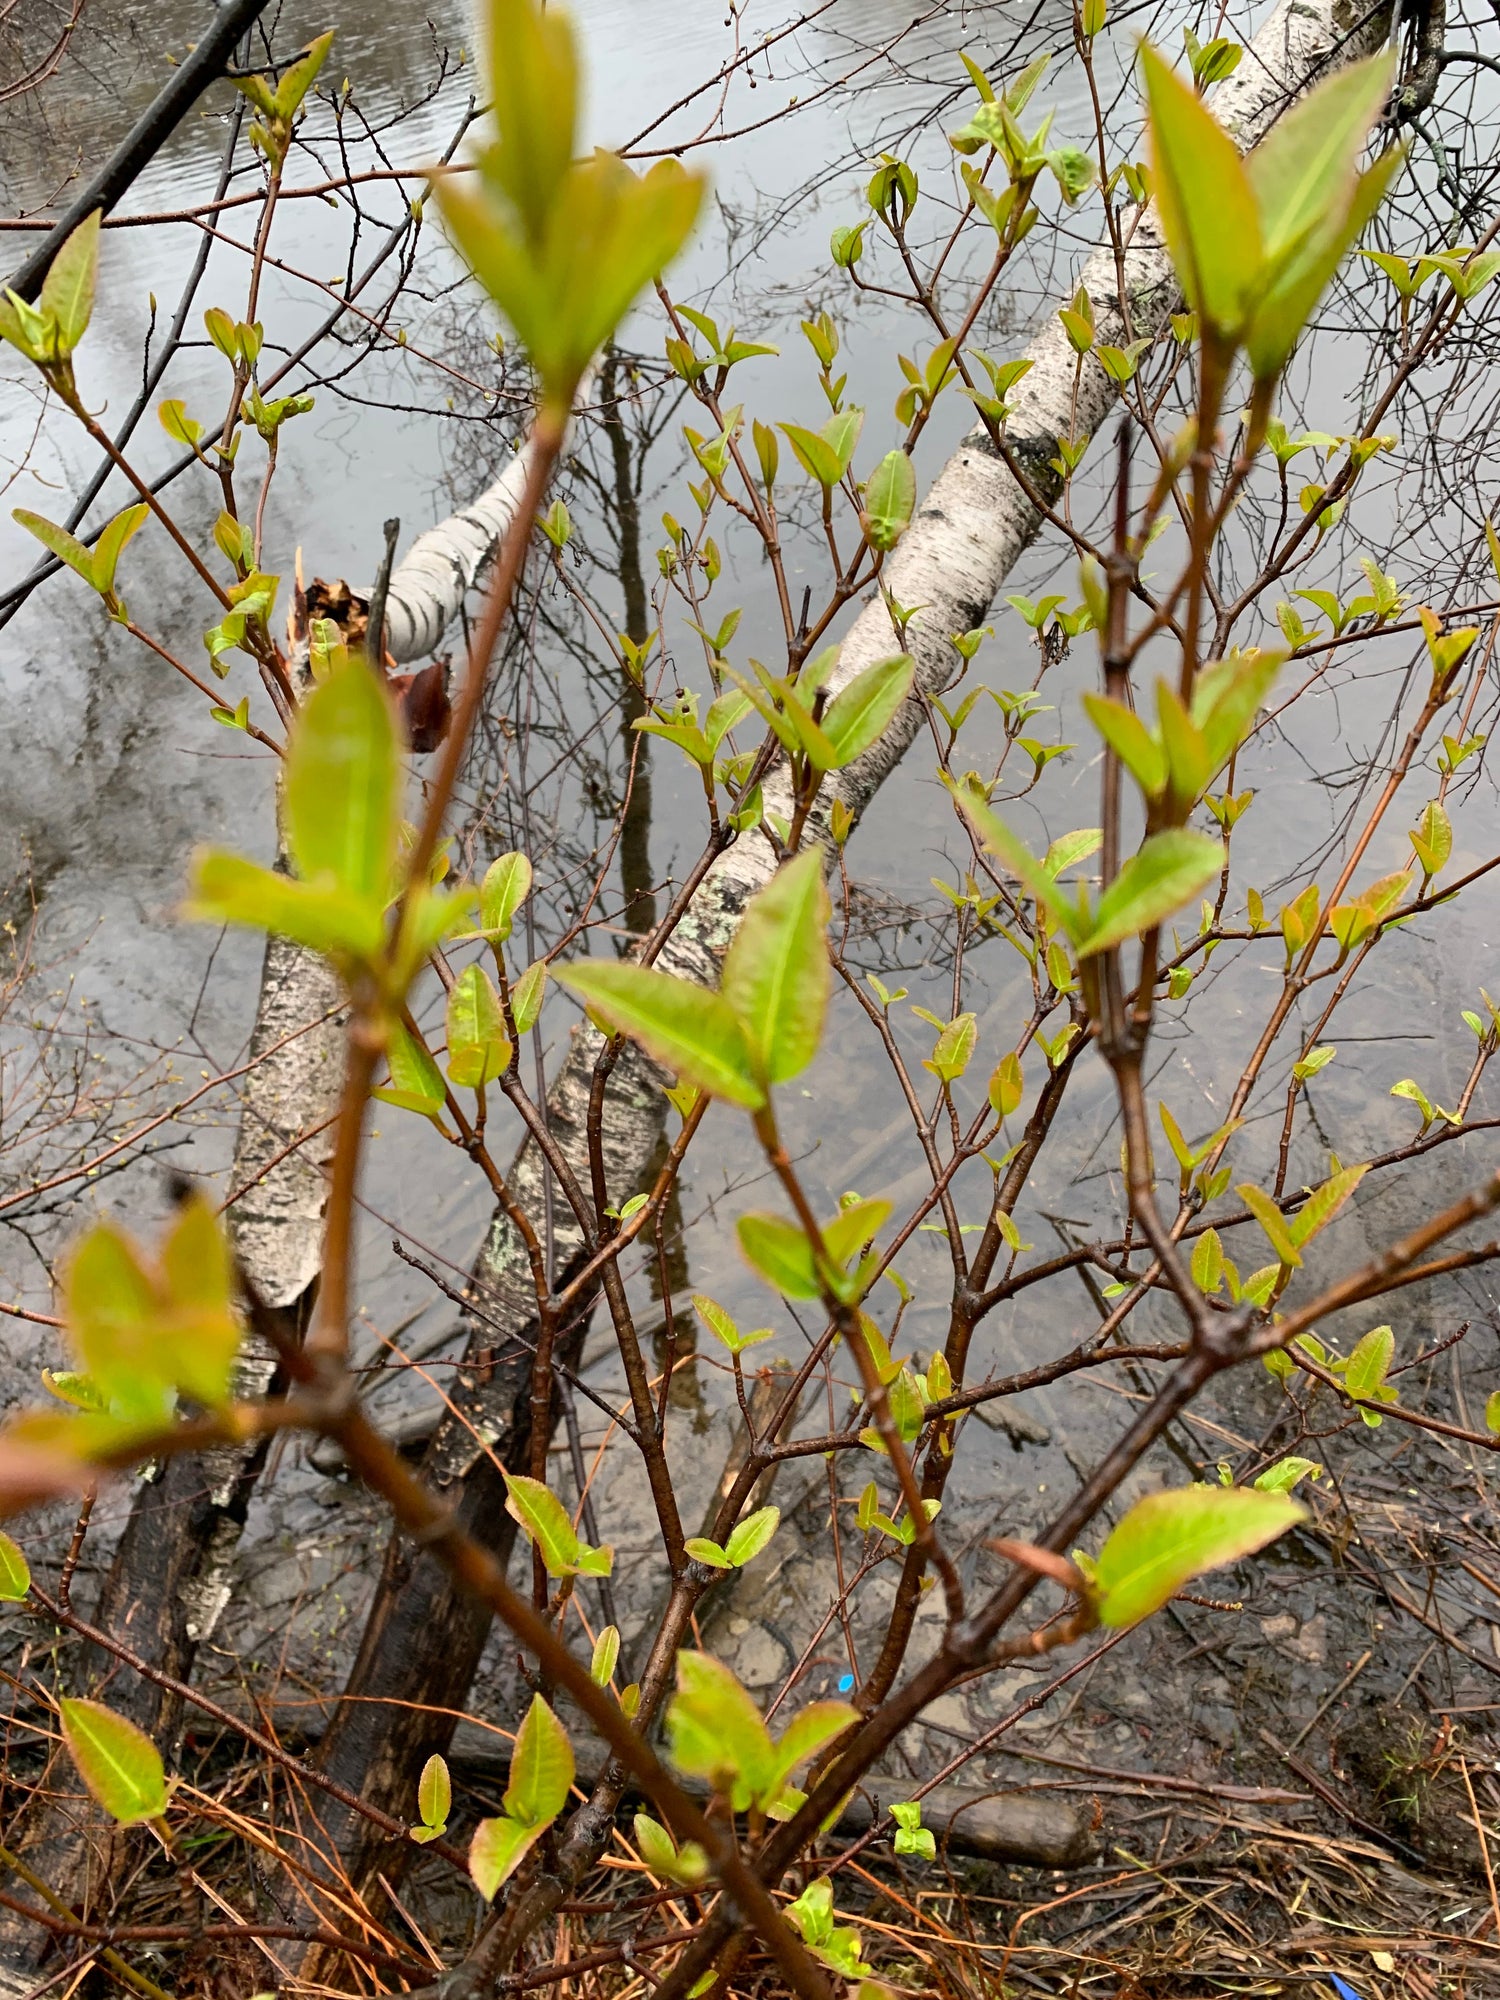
(541,1768)
(1167,869)
(434,1801)
(1208,208)
(694,1033)
(15,1572)
(714,1730)
(890,496)
(723,1326)
(1169,1538)
(776,972)
(1268,1214)
(119,1763)
(507,884)
(416,1082)
(68,288)
(606,1655)
(342,775)
(546,1521)
(1007,1085)
(112,541)
(859,714)
(498,1848)
(752,1535)
(67,548)
(1286,1473)
(1366,1370)
(479,1049)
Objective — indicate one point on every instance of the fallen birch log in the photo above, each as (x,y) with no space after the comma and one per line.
(423,1641)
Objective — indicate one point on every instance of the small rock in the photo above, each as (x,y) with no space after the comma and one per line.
(1311,1643)
(760,1657)
(1282,1626)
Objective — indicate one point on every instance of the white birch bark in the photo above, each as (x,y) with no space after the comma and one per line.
(428,585)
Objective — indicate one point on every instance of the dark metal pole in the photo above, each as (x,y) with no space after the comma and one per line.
(144,139)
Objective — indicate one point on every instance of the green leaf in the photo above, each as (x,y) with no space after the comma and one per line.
(1286,1473)
(586,243)
(434,1793)
(526,997)
(342,779)
(541,1768)
(68,288)
(1131,741)
(817,457)
(111,542)
(890,497)
(110,1304)
(692,1032)
(229,889)
(544,1518)
(1169,1538)
(1492,1411)
(954,1048)
(1324,1204)
(176,422)
(1312,200)
(860,713)
(776,972)
(196,1330)
(66,547)
(119,1763)
(1271,1220)
(507,884)
(606,1655)
(416,1082)
(1007,1085)
(701,1549)
(497,1850)
(780,1252)
(1169,868)
(1207,205)
(15,1573)
(724,1328)
(805,1735)
(297,78)
(714,1730)
(1018,858)
(752,1535)
(479,1050)
(1365,1372)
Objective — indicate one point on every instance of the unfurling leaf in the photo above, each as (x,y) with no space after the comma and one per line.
(1169,1538)
(890,496)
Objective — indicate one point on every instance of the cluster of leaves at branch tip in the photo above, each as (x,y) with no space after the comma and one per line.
(541,1776)
(146,1328)
(563,246)
(1256,239)
(715,1732)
